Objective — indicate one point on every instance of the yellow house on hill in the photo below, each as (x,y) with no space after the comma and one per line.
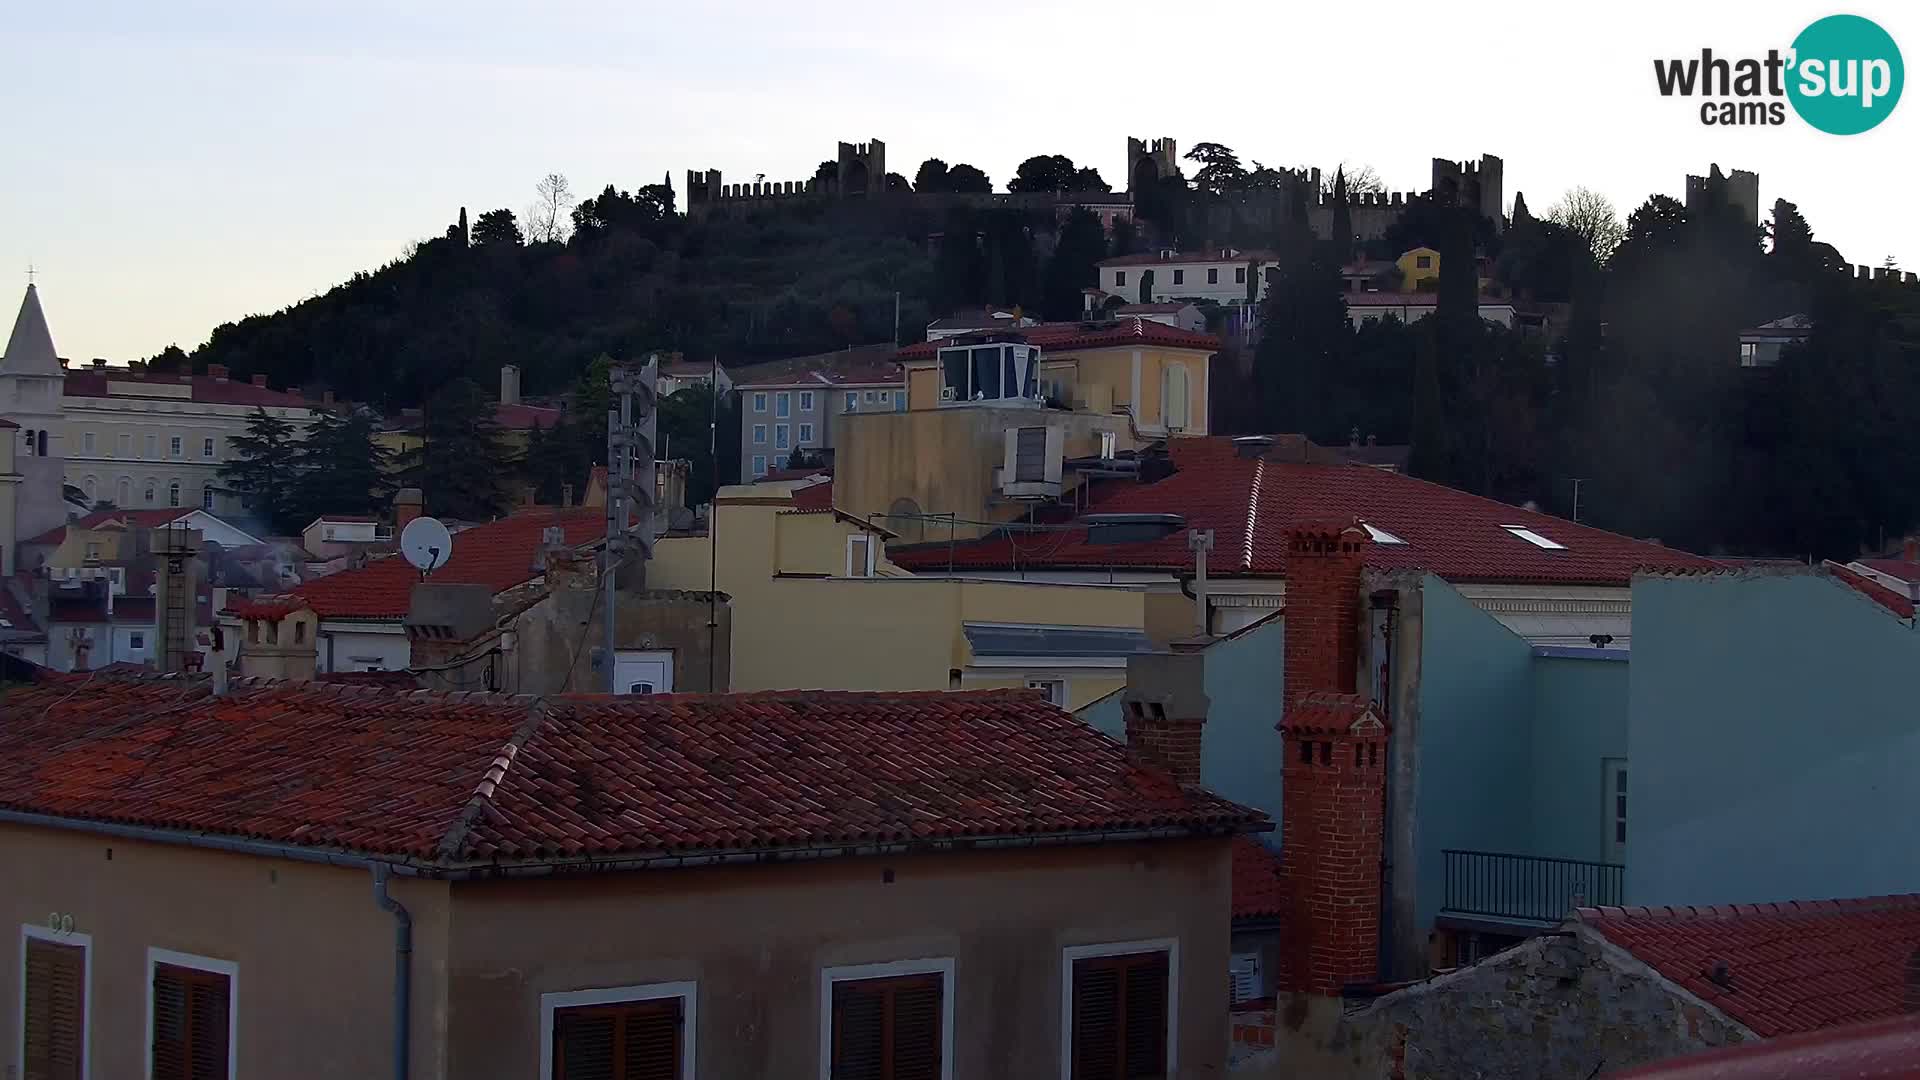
(817,605)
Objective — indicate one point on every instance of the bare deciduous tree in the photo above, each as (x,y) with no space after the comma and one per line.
(1361,179)
(1589,214)
(548,219)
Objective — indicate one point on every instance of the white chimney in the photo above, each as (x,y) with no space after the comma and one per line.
(509,385)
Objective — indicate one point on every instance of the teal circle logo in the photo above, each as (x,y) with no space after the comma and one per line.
(1846,75)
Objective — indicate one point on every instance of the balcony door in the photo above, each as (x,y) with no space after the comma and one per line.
(1614,810)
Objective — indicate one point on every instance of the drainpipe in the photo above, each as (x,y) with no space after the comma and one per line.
(402,968)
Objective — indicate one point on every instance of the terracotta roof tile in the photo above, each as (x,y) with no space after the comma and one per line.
(147,519)
(1126,333)
(1871,589)
(89,382)
(1251,502)
(499,555)
(1790,967)
(1899,569)
(455,779)
(1256,880)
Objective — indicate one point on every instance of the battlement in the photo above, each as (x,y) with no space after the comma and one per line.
(1476,185)
(1906,279)
(1150,161)
(1742,187)
(1392,200)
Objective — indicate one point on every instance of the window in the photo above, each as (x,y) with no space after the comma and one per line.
(173,493)
(900,401)
(1119,278)
(806,434)
(206,448)
(872,397)
(887,1021)
(87,487)
(126,445)
(1056,690)
(1239,275)
(56,984)
(760,402)
(759,434)
(783,404)
(806,401)
(153,441)
(1173,398)
(1614,789)
(1534,538)
(1749,354)
(1381,536)
(886,397)
(759,465)
(126,492)
(779,436)
(1117,1005)
(620,1033)
(190,1016)
(174,446)
(1179,277)
(149,493)
(206,498)
(86,442)
(853,400)
(860,555)
(299,632)
(1213,275)
(137,642)
(1423,262)
(1243,978)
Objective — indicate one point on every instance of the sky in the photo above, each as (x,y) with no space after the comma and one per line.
(175,166)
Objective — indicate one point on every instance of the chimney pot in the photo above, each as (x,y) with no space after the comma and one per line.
(99,363)
(1165,703)
(260,381)
(407,503)
(1910,549)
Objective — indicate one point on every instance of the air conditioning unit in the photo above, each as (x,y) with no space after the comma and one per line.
(1032,464)
(946,393)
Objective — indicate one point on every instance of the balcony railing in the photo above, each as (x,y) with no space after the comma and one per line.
(1495,885)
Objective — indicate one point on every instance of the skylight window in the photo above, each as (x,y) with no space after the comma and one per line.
(1381,536)
(1534,538)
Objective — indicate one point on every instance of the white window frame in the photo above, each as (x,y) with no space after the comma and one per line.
(938,965)
(759,434)
(1380,535)
(1055,686)
(29,931)
(206,448)
(687,992)
(206,497)
(760,401)
(806,401)
(1119,279)
(213,967)
(781,439)
(782,404)
(886,397)
(1170,946)
(872,395)
(1525,533)
(873,557)
(759,464)
(804,435)
(176,446)
(86,442)
(853,401)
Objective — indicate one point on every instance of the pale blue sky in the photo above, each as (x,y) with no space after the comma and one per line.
(174,166)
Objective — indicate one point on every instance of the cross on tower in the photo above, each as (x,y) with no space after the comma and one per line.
(30,273)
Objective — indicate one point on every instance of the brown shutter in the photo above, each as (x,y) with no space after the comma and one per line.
(190,1034)
(916,1029)
(859,1031)
(1120,1017)
(54,1029)
(888,1029)
(637,1040)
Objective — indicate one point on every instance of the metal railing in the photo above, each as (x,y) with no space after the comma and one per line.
(1499,885)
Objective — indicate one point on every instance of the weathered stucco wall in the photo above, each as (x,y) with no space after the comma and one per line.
(1563,1006)
(1771,725)
(1579,720)
(556,640)
(755,939)
(315,955)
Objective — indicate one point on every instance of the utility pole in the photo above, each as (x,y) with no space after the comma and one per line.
(630,491)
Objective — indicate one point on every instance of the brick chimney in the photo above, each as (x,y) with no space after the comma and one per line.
(1333,776)
(219,372)
(406,506)
(1910,549)
(1165,703)
(260,381)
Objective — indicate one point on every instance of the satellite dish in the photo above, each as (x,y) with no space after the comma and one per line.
(426,544)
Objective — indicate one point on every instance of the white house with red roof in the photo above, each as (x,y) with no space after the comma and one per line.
(1222,276)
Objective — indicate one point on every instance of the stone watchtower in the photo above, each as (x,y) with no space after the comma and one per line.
(1476,185)
(1742,190)
(1147,163)
(862,169)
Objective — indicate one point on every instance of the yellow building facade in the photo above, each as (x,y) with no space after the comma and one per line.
(816,605)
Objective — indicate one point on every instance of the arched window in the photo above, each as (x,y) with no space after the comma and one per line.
(173,493)
(1173,397)
(29,442)
(126,493)
(149,493)
(86,487)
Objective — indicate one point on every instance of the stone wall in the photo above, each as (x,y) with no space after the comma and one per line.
(1563,1005)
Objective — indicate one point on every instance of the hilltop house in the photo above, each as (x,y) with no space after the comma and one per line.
(798,404)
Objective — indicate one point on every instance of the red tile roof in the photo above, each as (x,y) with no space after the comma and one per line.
(88,382)
(816,497)
(1790,967)
(455,780)
(862,365)
(1877,1050)
(1064,336)
(146,519)
(1256,880)
(499,555)
(1153,258)
(523,417)
(1871,589)
(271,607)
(1397,299)
(1250,503)
(1899,569)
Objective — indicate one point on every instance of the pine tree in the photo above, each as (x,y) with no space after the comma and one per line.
(1342,230)
(462,466)
(342,468)
(266,470)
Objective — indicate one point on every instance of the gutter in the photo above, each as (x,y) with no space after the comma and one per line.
(402,969)
(409,867)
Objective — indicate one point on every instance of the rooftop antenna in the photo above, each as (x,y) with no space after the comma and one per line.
(427,544)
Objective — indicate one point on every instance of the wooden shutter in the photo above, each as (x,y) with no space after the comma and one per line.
(636,1040)
(888,1029)
(1120,1017)
(54,1031)
(190,1023)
